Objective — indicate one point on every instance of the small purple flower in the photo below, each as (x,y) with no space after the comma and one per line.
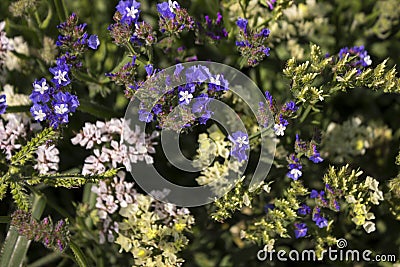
(178,69)
(145,115)
(263,33)
(166,10)
(60,73)
(93,42)
(336,205)
(157,109)
(242,24)
(269,99)
(197,74)
(320,221)
(301,230)
(291,106)
(304,209)
(270,3)
(39,112)
(240,142)
(3,104)
(129,10)
(314,194)
(149,69)
(315,157)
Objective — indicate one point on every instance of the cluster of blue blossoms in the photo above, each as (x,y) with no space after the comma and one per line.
(191,94)
(52,101)
(252,45)
(358,55)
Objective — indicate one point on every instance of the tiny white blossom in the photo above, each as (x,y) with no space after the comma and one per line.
(131,12)
(368,60)
(296,173)
(242,140)
(61,109)
(369,227)
(41,88)
(60,76)
(185,96)
(279,129)
(39,115)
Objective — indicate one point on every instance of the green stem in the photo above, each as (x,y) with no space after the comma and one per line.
(59,6)
(46,260)
(5,219)
(16,109)
(305,114)
(96,110)
(259,133)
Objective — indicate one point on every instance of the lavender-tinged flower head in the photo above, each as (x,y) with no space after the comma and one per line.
(301,230)
(129,9)
(304,209)
(242,24)
(166,9)
(240,141)
(93,42)
(60,73)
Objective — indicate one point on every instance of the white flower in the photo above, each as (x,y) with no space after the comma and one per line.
(131,12)
(296,173)
(47,159)
(39,115)
(61,109)
(216,80)
(368,60)
(60,76)
(41,88)
(185,96)
(369,227)
(242,140)
(279,129)
(246,200)
(172,5)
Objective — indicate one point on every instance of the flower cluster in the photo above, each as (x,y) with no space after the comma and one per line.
(102,138)
(288,110)
(240,144)
(154,232)
(192,98)
(54,103)
(173,18)
(74,40)
(358,55)
(252,45)
(214,30)
(51,103)
(55,237)
(47,159)
(5,44)
(111,196)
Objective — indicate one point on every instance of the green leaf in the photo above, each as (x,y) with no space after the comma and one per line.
(79,256)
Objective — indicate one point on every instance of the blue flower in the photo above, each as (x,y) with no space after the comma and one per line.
(263,33)
(242,24)
(304,209)
(149,69)
(320,221)
(315,157)
(291,105)
(129,10)
(240,142)
(60,73)
(178,69)
(3,104)
(157,109)
(41,91)
(200,104)
(301,230)
(39,112)
(336,205)
(145,115)
(197,74)
(315,194)
(165,10)
(93,41)
(185,97)
(270,99)
(266,51)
